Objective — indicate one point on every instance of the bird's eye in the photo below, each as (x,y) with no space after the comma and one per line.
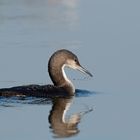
(75,60)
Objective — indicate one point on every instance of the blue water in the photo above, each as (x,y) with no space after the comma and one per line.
(104,35)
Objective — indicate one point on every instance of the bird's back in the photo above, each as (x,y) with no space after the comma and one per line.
(33,91)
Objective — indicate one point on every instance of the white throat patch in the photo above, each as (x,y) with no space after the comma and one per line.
(66,78)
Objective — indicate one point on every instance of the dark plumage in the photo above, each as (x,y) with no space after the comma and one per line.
(62,85)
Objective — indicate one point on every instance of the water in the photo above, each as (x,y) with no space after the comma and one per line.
(105,36)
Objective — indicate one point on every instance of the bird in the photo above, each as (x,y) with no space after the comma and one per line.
(61,86)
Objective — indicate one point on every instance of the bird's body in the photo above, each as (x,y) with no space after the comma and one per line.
(62,85)
(33,90)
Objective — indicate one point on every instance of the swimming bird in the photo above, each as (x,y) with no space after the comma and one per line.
(62,85)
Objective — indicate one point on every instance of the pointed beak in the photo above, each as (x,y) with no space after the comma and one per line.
(83,70)
(73,65)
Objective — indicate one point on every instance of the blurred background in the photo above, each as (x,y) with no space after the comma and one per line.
(105,35)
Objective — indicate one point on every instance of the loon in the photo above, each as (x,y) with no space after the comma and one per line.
(62,85)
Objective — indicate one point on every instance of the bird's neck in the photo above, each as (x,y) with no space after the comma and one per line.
(60,79)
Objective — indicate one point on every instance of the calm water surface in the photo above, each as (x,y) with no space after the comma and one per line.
(105,36)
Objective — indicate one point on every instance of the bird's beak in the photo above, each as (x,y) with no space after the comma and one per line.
(83,70)
(77,66)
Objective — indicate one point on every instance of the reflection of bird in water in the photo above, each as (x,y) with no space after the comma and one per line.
(62,85)
(60,125)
